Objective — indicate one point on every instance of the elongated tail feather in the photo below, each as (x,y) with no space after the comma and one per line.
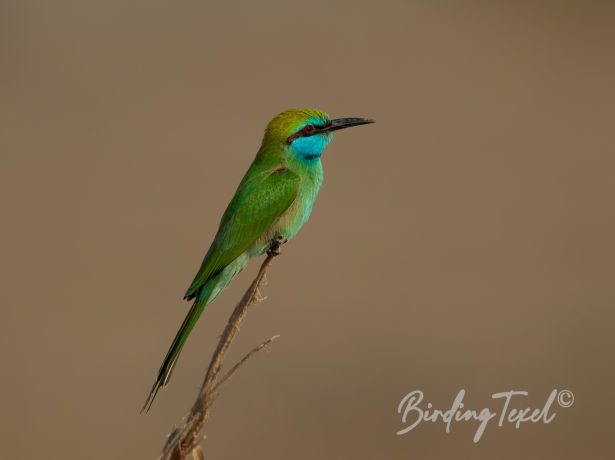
(176,347)
(206,294)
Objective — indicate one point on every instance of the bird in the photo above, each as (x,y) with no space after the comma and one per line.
(271,204)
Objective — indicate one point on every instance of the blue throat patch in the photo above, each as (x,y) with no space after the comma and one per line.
(311,147)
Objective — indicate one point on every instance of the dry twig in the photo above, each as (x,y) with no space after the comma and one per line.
(184,441)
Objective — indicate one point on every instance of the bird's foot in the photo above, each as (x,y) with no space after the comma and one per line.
(274,249)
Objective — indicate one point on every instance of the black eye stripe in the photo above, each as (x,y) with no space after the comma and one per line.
(303,133)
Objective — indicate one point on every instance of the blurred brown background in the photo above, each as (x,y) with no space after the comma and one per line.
(464,241)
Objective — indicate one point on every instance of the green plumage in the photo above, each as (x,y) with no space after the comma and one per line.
(259,201)
(274,199)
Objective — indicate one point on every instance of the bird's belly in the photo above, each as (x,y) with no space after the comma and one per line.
(287,226)
(294,218)
(291,221)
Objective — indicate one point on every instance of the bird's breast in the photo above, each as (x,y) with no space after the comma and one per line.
(299,212)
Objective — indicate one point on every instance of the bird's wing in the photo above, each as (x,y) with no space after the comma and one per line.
(257,204)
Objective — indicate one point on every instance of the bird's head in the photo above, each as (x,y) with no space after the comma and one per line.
(307,132)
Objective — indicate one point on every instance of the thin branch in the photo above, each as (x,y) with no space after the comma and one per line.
(233,369)
(185,439)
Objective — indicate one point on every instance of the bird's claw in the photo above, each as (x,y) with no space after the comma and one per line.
(274,249)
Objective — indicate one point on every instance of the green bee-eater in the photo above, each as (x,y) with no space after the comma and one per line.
(272,202)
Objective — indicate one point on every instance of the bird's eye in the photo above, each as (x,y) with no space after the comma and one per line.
(309,129)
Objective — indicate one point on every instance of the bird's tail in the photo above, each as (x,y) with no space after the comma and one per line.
(176,347)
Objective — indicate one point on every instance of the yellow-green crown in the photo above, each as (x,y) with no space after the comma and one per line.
(290,121)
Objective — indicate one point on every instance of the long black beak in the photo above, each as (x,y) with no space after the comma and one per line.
(341,123)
